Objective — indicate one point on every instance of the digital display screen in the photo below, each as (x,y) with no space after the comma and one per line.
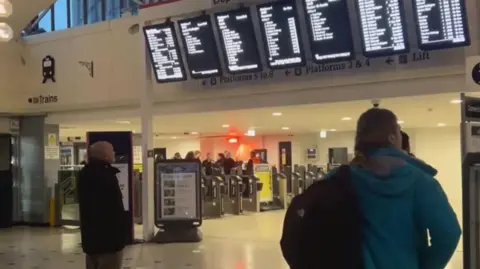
(441,24)
(329,30)
(200,48)
(164,53)
(382,27)
(239,44)
(281,34)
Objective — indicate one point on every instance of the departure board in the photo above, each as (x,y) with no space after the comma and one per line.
(164,53)
(441,24)
(238,41)
(383,28)
(281,34)
(200,48)
(329,30)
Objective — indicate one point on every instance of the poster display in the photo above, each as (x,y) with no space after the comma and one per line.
(122,177)
(177,190)
(262,171)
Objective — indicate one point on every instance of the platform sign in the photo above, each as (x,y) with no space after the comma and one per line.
(177,191)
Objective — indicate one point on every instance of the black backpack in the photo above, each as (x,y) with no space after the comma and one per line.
(323,226)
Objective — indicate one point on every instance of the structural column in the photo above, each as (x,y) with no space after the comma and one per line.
(148,185)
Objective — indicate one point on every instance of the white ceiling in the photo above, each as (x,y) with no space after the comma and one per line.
(416,112)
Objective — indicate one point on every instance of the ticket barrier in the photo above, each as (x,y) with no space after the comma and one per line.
(232,197)
(212,196)
(298,182)
(310,178)
(251,194)
(281,198)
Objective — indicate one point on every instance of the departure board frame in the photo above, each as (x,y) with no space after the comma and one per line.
(311,38)
(442,45)
(223,45)
(171,25)
(377,54)
(215,47)
(264,34)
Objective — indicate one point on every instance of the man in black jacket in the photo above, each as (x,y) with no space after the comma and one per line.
(102,215)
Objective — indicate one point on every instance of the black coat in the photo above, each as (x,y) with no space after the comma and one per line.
(103,222)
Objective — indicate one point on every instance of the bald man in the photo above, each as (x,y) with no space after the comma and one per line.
(102,217)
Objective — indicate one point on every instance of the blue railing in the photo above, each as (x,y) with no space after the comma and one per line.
(65,14)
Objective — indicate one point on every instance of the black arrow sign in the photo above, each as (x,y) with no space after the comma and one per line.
(287,72)
(389,61)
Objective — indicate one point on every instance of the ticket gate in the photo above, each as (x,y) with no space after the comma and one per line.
(281,198)
(212,197)
(232,197)
(251,194)
(298,182)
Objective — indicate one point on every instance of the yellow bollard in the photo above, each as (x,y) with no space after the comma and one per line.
(52,213)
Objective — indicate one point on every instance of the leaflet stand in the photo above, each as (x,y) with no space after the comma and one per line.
(470,138)
(178,201)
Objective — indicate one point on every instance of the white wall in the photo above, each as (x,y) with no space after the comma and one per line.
(118,58)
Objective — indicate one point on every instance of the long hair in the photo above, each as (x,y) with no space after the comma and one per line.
(374,128)
(190,156)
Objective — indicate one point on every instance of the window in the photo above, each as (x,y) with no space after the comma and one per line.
(46,22)
(94,11)
(60,15)
(113,9)
(76,13)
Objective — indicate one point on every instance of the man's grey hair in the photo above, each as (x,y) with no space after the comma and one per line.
(97,150)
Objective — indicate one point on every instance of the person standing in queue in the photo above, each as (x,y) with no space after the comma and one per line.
(208,164)
(198,154)
(229,163)
(190,156)
(401,201)
(103,223)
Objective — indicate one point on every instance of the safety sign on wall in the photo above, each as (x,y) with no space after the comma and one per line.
(52,150)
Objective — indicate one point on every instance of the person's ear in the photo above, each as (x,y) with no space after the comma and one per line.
(392,139)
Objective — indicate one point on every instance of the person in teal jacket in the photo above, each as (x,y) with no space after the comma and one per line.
(402,202)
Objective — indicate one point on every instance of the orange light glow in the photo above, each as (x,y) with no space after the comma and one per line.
(233,140)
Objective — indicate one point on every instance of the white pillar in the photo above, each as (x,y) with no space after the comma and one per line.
(148,186)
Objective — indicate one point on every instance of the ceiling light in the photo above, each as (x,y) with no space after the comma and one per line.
(194,133)
(441,124)
(251,132)
(276,114)
(5,9)
(455,101)
(400,122)
(174,137)
(346,118)
(6,32)
(323,134)
(123,122)
(285,128)
(226,126)
(332,130)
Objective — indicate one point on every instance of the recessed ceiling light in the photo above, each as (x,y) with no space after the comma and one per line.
(285,128)
(194,133)
(455,101)
(174,137)
(276,114)
(400,122)
(123,122)
(441,124)
(226,126)
(332,130)
(346,118)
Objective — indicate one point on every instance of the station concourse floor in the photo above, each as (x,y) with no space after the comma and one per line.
(234,242)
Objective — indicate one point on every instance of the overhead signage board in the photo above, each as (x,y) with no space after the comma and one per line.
(239,45)
(200,47)
(281,34)
(164,52)
(329,30)
(441,24)
(383,27)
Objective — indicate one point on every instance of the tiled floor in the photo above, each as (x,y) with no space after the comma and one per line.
(242,242)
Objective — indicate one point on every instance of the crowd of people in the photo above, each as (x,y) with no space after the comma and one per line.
(224,161)
(400,201)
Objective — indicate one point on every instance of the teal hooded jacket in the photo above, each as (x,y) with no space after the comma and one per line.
(402,204)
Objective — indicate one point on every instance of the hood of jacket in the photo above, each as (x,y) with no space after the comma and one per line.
(391,172)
